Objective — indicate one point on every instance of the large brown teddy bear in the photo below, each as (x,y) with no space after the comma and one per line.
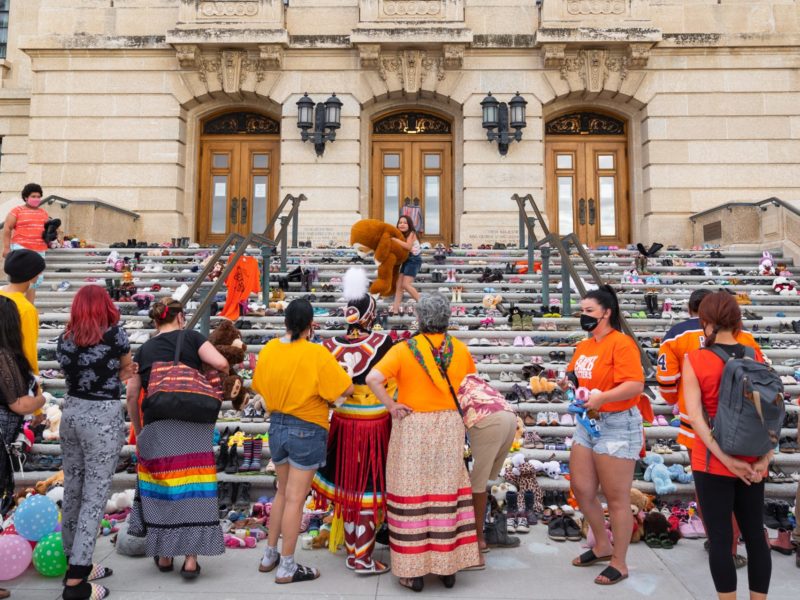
(373,236)
(228,341)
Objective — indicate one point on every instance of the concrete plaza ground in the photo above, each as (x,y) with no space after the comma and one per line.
(540,569)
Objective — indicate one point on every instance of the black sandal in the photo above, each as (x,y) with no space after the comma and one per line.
(610,573)
(193,574)
(413,583)
(84,591)
(448,580)
(300,574)
(167,569)
(589,558)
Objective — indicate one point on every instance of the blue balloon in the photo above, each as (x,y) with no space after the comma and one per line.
(36,517)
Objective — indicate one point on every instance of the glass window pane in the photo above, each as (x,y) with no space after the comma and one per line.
(605,161)
(221,161)
(432,204)
(219,204)
(563,161)
(608,209)
(260,161)
(565,201)
(433,161)
(260,183)
(391,198)
(391,161)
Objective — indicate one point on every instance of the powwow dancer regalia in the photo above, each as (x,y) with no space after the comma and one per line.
(353,478)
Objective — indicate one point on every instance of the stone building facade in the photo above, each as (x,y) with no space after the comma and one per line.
(639,112)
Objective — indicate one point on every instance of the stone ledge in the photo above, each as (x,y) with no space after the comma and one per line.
(229,35)
(608,35)
(406,33)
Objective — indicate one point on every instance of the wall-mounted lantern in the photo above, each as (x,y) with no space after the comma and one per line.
(496,116)
(323,118)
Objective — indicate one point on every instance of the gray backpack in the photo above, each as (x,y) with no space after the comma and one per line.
(751,410)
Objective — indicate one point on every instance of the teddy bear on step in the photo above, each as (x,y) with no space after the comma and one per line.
(659,474)
(228,341)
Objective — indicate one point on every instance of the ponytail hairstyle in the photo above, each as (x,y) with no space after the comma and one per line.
(721,312)
(298,317)
(165,311)
(606,297)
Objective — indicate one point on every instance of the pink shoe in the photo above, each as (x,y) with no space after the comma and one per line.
(687,530)
(697,524)
(518,341)
(661,421)
(566,420)
(527,341)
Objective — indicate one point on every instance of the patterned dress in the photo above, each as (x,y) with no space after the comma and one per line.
(353,478)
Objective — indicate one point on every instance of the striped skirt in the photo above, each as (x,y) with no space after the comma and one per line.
(429,497)
(177,490)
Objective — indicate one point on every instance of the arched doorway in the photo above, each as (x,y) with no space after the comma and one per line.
(586,162)
(412,171)
(238,177)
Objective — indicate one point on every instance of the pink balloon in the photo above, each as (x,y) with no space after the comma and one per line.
(15,556)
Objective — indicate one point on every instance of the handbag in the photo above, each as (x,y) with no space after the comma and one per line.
(177,391)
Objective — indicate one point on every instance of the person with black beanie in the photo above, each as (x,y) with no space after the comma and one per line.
(23,267)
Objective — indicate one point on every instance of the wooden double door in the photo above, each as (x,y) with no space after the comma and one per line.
(587,188)
(417,174)
(238,186)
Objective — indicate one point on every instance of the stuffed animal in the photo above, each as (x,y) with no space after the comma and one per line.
(228,341)
(677,473)
(370,236)
(53,422)
(499,492)
(55,480)
(658,473)
(119,501)
(641,503)
(523,477)
(766,264)
(783,286)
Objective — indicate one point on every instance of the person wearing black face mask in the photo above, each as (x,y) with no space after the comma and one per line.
(608,364)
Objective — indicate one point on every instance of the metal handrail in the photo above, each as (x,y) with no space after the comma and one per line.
(66,202)
(242,242)
(730,205)
(568,270)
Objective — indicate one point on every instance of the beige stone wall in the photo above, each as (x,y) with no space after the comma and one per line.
(96,102)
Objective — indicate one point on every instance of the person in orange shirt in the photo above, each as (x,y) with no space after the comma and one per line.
(24,227)
(428,492)
(679,341)
(726,485)
(607,363)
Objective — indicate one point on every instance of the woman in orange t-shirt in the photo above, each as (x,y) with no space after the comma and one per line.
(608,363)
(726,485)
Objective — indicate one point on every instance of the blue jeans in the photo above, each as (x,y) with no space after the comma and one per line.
(302,444)
(620,435)
(412,265)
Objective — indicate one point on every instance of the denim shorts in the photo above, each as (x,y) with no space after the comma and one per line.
(302,444)
(620,434)
(412,265)
(39,280)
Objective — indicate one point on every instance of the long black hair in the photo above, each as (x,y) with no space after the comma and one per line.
(11,337)
(411,228)
(298,317)
(606,297)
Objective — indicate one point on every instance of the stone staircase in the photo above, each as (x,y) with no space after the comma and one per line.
(487,332)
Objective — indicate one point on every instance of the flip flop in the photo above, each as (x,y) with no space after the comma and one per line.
(610,573)
(166,569)
(589,558)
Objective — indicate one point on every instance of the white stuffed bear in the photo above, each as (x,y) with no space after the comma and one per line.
(552,469)
(56,494)
(783,286)
(119,502)
(53,415)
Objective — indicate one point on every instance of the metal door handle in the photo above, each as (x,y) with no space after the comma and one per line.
(234,210)
(592,211)
(243,217)
(582,211)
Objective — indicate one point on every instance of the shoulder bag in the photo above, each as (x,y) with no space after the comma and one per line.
(177,391)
